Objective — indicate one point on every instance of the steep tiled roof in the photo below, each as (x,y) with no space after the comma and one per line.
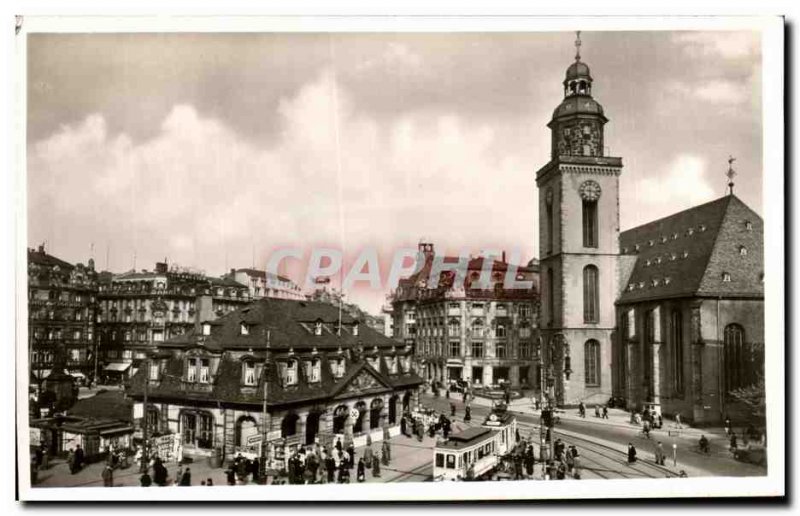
(291,328)
(40,257)
(696,252)
(104,404)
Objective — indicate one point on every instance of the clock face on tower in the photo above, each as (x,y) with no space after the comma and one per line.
(590,190)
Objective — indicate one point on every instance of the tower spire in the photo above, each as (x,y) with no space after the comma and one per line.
(730,174)
(578,45)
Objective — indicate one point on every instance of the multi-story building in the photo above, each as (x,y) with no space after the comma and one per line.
(326,374)
(676,319)
(481,334)
(266,284)
(137,310)
(61,314)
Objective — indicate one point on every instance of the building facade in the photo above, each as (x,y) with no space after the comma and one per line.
(138,310)
(327,376)
(61,313)
(669,314)
(480,334)
(691,313)
(265,284)
(579,246)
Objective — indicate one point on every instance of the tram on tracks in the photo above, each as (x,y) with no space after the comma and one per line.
(475,452)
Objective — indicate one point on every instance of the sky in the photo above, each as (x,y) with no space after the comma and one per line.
(214,150)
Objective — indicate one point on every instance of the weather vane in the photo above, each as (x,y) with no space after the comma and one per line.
(578,46)
(730,174)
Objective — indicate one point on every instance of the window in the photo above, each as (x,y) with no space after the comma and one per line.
(454,328)
(550,227)
(477,349)
(677,350)
(204,372)
(197,429)
(76,335)
(191,370)
(500,331)
(589,223)
(154,371)
(738,366)
(440,460)
(591,358)
(249,373)
(206,329)
(477,328)
(158,336)
(355,330)
(317,328)
(314,370)
(244,330)
(748,225)
(500,350)
(742,250)
(338,367)
(591,294)
(726,277)
(455,348)
(524,350)
(290,375)
(551,301)
(524,310)
(451,461)
(525,332)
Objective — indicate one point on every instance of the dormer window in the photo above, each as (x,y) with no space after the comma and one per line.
(742,250)
(355,330)
(667,280)
(685,254)
(290,373)
(244,329)
(313,370)
(702,227)
(690,232)
(249,373)
(191,370)
(205,375)
(206,329)
(337,367)
(726,277)
(748,225)
(318,328)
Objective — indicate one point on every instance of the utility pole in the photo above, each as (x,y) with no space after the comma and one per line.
(265,423)
(144,416)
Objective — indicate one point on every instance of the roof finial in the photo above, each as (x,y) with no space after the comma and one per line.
(578,46)
(730,174)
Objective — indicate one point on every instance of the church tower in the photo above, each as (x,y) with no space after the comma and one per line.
(579,246)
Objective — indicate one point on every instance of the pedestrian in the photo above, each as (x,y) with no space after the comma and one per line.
(631,453)
(202,482)
(108,477)
(330,468)
(360,475)
(71,460)
(516,434)
(467,413)
(570,460)
(38,456)
(230,476)
(351,455)
(605,411)
(338,444)
(209,482)
(386,452)
(145,480)
(241,468)
(45,458)
(452,409)
(368,454)
(186,478)
(178,476)
(660,421)
(596,410)
(704,444)
(678,421)
(733,441)
(78,457)
(376,467)
(659,454)
(646,428)
(581,409)
(727,426)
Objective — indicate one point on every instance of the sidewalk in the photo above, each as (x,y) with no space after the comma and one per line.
(411,461)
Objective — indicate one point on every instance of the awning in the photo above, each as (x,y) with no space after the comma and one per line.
(117,366)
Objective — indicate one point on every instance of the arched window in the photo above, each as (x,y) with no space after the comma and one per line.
(375,409)
(550,228)
(551,302)
(454,328)
(591,362)
(197,428)
(500,331)
(677,350)
(589,223)
(358,426)
(246,428)
(340,415)
(738,370)
(591,294)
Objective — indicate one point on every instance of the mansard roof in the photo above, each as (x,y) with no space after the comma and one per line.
(714,249)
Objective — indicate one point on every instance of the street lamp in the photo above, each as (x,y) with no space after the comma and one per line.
(265,423)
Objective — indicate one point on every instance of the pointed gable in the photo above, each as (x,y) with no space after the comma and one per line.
(362,379)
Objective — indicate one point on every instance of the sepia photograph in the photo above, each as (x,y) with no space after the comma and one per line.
(373,259)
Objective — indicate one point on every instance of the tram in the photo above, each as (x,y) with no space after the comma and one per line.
(475,452)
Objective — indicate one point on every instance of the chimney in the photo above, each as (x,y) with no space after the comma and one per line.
(161,267)
(41,248)
(504,257)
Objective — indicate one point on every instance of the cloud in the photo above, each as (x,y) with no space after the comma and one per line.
(717,91)
(680,185)
(729,45)
(203,195)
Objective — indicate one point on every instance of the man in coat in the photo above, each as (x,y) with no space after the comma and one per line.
(108,477)
(386,452)
(186,478)
(631,453)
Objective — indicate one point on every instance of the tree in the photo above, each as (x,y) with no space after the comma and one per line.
(753,397)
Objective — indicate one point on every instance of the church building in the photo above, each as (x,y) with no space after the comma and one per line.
(669,314)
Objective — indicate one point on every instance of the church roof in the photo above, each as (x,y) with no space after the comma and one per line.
(578,104)
(577,70)
(715,249)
